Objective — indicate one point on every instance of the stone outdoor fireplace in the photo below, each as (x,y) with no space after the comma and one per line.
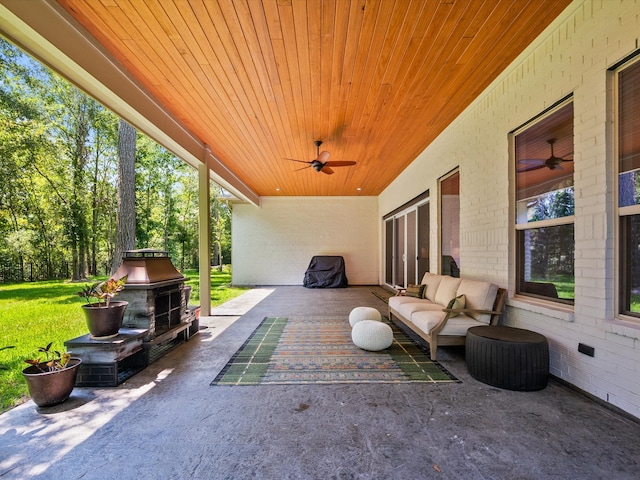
(157,319)
(156,294)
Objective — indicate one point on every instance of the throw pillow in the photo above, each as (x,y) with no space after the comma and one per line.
(414,291)
(455,303)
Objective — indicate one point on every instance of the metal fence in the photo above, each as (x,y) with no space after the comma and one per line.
(33,272)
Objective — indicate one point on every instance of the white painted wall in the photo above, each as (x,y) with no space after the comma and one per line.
(273,244)
(572,56)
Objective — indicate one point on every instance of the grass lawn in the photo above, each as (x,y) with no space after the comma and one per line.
(34,314)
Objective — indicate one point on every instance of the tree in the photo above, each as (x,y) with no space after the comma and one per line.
(70,118)
(103,191)
(220,227)
(550,250)
(126,214)
(61,197)
(37,145)
(78,200)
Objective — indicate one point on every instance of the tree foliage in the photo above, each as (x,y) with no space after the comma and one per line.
(550,252)
(58,197)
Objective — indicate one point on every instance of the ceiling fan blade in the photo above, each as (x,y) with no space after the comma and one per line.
(321,164)
(529,169)
(532,161)
(303,168)
(552,163)
(295,160)
(323,157)
(341,163)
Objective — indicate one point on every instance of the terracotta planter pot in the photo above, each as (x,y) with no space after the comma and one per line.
(51,388)
(104,321)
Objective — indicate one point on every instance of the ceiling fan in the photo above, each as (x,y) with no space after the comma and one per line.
(552,163)
(322,163)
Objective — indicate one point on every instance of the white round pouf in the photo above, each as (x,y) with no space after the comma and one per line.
(372,335)
(364,313)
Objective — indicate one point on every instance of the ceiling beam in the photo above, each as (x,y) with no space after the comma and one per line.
(44,30)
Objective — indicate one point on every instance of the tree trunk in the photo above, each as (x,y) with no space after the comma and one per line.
(94,218)
(83,114)
(126,214)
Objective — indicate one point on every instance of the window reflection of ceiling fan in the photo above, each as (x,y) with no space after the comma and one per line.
(322,163)
(552,163)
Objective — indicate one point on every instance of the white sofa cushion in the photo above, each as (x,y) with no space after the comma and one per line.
(479,295)
(457,326)
(447,289)
(424,277)
(431,282)
(407,309)
(397,301)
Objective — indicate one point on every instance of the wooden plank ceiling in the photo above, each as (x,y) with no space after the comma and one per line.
(259,81)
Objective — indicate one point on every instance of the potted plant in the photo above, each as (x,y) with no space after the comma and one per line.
(51,380)
(104,317)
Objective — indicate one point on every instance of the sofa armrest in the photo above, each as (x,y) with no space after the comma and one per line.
(437,328)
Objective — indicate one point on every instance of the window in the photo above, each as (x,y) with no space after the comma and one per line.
(450,224)
(544,206)
(628,154)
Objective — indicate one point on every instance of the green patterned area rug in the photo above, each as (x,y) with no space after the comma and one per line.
(319,350)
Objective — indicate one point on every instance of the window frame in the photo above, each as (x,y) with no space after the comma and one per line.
(622,213)
(519,228)
(454,268)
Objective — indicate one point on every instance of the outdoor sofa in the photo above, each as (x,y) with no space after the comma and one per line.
(442,308)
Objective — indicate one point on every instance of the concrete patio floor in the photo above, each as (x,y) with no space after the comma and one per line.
(167,422)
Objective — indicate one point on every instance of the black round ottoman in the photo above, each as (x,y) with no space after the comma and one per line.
(507,357)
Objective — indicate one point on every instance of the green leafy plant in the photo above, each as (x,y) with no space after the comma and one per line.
(103,291)
(53,359)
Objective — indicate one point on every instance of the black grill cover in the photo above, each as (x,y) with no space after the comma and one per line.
(325,272)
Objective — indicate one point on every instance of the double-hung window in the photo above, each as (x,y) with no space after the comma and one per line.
(544,205)
(628,154)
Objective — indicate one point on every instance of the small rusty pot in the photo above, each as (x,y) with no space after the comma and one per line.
(51,388)
(103,321)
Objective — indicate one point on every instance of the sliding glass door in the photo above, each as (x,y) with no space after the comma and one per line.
(399,254)
(423,240)
(410,249)
(407,245)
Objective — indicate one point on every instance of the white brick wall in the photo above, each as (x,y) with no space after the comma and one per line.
(572,56)
(273,244)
